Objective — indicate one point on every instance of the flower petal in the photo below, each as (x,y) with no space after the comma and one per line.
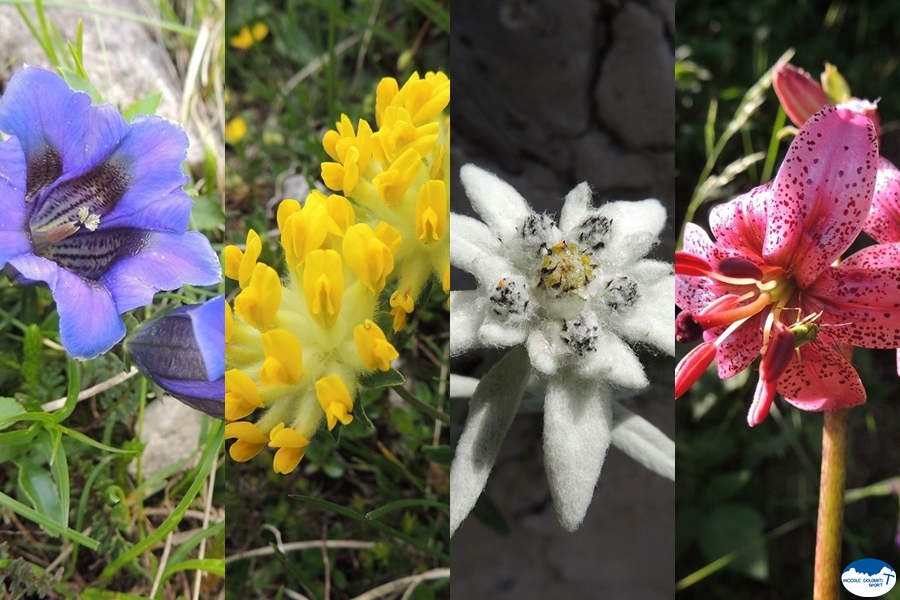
(635,230)
(861,298)
(166,261)
(649,321)
(153,150)
(89,322)
(473,248)
(491,411)
(822,380)
(822,193)
(740,225)
(577,423)
(71,138)
(614,362)
(738,350)
(883,222)
(13,239)
(576,207)
(498,203)
(466,316)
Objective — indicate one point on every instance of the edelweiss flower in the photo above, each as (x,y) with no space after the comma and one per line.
(93,207)
(565,298)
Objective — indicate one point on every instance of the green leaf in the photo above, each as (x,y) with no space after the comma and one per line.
(438,454)
(380,379)
(38,486)
(403,422)
(736,528)
(207,214)
(81,84)
(9,408)
(406,503)
(143,106)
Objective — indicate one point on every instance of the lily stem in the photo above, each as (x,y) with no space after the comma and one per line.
(830,523)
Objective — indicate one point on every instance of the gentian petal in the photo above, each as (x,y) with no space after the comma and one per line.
(89,322)
(209,329)
(577,423)
(166,261)
(822,193)
(205,396)
(154,150)
(883,222)
(184,353)
(822,380)
(70,138)
(13,239)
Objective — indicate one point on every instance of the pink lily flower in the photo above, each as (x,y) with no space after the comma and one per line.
(767,286)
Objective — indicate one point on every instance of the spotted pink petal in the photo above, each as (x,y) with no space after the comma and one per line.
(883,222)
(822,380)
(741,223)
(822,193)
(861,298)
(741,348)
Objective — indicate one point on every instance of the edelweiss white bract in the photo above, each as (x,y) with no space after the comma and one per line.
(568,298)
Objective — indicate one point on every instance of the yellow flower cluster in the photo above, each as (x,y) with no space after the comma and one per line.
(297,345)
(401,174)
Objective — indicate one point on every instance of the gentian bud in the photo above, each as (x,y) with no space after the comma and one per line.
(184,353)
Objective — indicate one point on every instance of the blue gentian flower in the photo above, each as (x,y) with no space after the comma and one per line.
(184,353)
(93,206)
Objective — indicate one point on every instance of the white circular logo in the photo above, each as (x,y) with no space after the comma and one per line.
(869,578)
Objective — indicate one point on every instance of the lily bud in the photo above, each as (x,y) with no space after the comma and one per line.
(800,95)
(692,366)
(184,353)
(778,356)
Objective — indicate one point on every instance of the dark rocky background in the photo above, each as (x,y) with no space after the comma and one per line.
(547,95)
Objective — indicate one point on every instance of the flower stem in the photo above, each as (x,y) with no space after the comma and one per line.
(831,506)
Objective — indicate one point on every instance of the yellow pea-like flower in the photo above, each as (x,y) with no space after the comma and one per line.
(335,400)
(431,212)
(368,256)
(229,323)
(291,447)
(284,358)
(241,395)
(235,130)
(393,183)
(372,345)
(323,285)
(250,440)
(258,303)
